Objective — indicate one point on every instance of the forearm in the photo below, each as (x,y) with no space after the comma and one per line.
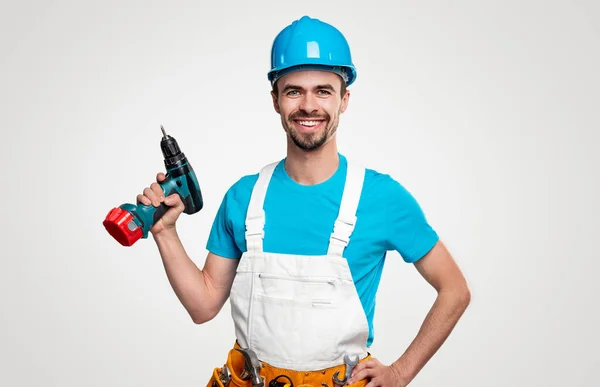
(435,329)
(187,280)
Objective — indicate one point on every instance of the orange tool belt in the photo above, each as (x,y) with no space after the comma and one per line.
(235,364)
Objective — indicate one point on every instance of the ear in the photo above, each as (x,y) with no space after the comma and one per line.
(275,102)
(345,100)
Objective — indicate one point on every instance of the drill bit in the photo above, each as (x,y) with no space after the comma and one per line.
(163,130)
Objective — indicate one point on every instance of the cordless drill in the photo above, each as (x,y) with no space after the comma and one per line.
(128,223)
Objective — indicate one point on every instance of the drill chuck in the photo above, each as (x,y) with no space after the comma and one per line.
(128,222)
(173,156)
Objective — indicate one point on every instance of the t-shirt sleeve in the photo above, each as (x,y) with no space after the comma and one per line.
(409,232)
(221,240)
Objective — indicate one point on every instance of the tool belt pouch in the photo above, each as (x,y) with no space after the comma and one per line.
(215,380)
(229,374)
(219,378)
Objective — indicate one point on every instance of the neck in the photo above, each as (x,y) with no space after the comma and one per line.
(314,167)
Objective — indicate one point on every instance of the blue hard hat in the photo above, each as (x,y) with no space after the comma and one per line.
(310,44)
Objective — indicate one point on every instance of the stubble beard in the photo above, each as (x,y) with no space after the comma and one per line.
(311,142)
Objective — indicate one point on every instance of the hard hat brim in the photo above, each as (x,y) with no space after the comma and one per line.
(347,73)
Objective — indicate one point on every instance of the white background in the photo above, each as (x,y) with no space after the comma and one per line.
(486,111)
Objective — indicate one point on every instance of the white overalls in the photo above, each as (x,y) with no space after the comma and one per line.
(295,311)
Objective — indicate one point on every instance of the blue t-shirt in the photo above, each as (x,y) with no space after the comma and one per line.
(300,219)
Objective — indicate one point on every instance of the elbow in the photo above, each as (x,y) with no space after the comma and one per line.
(463,296)
(458,296)
(203,316)
(200,319)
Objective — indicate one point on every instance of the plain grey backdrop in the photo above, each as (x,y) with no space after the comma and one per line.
(487,111)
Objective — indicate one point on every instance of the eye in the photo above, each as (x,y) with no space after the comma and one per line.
(291,92)
(324,92)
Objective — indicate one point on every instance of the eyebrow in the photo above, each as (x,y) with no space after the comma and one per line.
(326,86)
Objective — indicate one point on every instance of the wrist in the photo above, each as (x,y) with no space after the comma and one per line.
(166,235)
(401,373)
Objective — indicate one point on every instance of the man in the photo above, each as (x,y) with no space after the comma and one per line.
(298,248)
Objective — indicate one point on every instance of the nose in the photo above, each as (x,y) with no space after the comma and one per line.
(309,103)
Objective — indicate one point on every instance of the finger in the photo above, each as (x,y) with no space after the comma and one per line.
(362,374)
(160,177)
(363,364)
(176,208)
(156,188)
(152,196)
(143,199)
(174,201)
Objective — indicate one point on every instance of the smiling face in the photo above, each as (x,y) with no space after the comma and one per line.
(310,104)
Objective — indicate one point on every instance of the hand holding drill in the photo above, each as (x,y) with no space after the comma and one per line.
(160,205)
(154,196)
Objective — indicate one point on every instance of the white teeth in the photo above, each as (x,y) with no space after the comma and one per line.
(309,123)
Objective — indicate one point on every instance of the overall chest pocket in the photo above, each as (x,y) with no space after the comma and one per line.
(299,290)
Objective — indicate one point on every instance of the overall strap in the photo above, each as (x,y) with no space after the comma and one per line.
(255,218)
(346,220)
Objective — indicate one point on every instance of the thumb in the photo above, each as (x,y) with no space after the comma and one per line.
(176,208)
(174,201)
